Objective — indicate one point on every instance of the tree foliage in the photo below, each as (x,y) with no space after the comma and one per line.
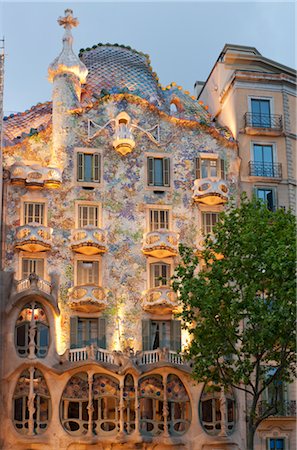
(240,309)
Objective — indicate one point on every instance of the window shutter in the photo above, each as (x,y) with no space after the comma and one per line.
(39,267)
(96,167)
(73,331)
(175,335)
(80,167)
(223,171)
(146,335)
(150,171)
(166,171)
(198,171)
(101,337)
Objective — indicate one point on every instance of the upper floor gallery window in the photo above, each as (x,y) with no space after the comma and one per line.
(210,168)
(261,113)
(87,272)
(34,212)
(158,219)
(89,167)
(32,265)
(88,215)
(158,171)
(211,406)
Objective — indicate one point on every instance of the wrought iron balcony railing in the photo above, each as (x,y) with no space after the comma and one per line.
(261,169)
(258,120)
(286,408)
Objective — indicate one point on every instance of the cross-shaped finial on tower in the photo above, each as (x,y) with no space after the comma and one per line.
(68,21)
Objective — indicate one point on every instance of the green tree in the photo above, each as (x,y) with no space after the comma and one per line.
(240,310)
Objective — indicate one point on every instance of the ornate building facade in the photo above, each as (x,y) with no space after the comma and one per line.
(100,186)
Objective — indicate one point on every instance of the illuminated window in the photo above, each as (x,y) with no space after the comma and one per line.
(209,220)
(87,331)
(89,167)
(161,334)
(159,274)
(88,215)
(32,265)
(34,212)
(87,272)
(210,168)
(159,219)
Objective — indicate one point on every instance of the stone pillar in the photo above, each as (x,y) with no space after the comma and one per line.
(32,334)
(31,399)
(121,406)
(165,407)
(90,406)
(223,409)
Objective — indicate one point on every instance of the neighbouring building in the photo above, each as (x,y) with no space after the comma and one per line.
(100,186)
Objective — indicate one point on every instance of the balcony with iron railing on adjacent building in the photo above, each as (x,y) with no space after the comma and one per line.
(263,124)
(265,169)
(286,408)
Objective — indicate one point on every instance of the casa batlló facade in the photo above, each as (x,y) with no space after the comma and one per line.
(100,187)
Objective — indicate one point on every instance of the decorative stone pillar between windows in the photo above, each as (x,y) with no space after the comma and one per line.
(31,399)
(223,410)
(137,405)
(32,334)
(90,406)
(121,407)
(165,407)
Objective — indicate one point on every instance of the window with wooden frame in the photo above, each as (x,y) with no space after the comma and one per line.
(87,272)
(210,168)
(161,334)
(209,220)
(159,274)
(88,215)
(33,212)
(89,167)
(158,171)
(158,219)
(86,331)
(32,265)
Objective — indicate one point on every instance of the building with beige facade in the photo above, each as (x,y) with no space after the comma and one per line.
(99,187)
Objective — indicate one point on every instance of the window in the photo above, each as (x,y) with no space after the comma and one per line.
(211,406)
(210,168)
(88,215)
(34,212)
(32,265)
(89,167)
(87,331)
(263,163)
(129,404)
(276,444)
(159,274)
(87,272)
(267,196)
(161,334)
(209,220)
(32,389)
(32,327)
(159,219)
(261,114)
(158,171)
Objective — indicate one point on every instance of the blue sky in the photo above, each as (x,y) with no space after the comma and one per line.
(182,38)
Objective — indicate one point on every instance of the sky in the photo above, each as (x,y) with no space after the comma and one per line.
(183,39)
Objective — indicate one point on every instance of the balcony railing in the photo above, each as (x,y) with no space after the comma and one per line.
(210,192)
(268,121)
(261,169)
(160,299)
(87,298)
(33,282)
(144,358)
(160,243)
(35,176)
(33,237)
(286,408)
(88,241)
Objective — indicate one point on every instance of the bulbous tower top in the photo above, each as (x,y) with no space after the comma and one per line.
(67,61)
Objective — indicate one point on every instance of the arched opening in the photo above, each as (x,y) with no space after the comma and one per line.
(173,109)
(129,404)
(179,407)
(31,403)
(106,404)
(32,331)
(151,397)
(74,412)
(217,410)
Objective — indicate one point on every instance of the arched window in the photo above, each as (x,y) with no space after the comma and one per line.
(213,405)
(106,404)
(173,109)
(74,412)
(151,396)
(32,332)
(179,407)
(129,404)
(31,403)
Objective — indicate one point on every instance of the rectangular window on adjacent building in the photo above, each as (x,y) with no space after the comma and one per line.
(276,444)
(88,215)
(267,195)
(87,272)
(89,167)
(210,168)
(159,219)
(261,113)
(161,334)
(209,220)
(263,164)
(34,212)
(87,331)
(158,172)
(32,265)
(159,275)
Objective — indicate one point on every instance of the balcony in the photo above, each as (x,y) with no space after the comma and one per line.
(123,141)
(210,192)
(160,243)
(33,282)
(285,409)
(88,241)
(267,170)
(263,124)
(33,237)
(160,300)
(87,298)
(35,176)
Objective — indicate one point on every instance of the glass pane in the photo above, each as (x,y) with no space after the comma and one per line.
(204,168)
(88,167)
(212,168)
(158,172)
(258,153)
(267,154)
